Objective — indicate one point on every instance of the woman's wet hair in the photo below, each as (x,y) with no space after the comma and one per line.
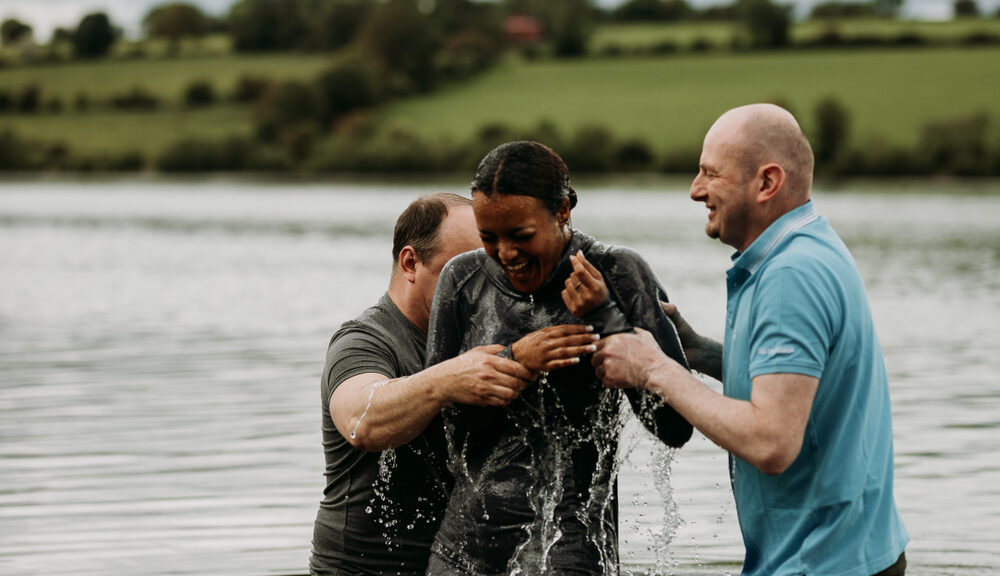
(525,168)
(418,225)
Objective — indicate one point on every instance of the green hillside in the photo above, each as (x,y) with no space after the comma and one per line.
(670,101)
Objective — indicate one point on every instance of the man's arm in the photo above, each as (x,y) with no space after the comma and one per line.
(767,431)
(375,413)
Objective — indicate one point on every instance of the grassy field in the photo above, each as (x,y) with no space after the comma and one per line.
(164,77)
(682,35)
(671,101)
(100,129)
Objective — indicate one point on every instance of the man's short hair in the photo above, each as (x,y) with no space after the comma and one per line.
(418,225)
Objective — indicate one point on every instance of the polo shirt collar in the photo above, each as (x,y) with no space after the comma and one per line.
(780,229)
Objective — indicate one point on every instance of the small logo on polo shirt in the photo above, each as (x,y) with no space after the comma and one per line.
(776,350)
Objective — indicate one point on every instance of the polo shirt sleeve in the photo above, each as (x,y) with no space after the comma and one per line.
(791,328)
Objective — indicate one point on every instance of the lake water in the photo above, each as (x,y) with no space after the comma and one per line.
(161,344)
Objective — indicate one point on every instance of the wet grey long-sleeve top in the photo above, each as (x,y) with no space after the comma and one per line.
(536,478)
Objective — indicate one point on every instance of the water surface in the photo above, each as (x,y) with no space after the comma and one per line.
(161,344)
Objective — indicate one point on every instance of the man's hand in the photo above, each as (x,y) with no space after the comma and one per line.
(626,360)
(554,347)
(481,378)
(585,288)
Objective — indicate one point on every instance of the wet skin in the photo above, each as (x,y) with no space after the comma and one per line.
(522,235)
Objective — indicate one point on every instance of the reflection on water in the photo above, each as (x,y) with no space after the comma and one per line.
(160,349)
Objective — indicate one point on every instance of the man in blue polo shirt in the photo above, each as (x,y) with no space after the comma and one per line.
(805,412)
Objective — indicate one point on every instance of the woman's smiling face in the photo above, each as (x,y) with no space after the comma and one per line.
(522,235)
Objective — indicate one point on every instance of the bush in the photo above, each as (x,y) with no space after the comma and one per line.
(635,154)
(29,99)
(250,88)
(135,99)
(832,130)
(286,104)
(956,146)
(199,93)
(592,149)
(231,154)
(346,87)
(81,102)
(13,153)
(681,161)
(466,53)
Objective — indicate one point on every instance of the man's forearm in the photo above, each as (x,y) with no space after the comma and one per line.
(378,414)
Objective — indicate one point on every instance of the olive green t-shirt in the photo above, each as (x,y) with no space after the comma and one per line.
(380,510)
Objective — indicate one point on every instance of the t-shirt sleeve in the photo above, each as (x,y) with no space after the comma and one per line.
(353,352)
(792,325)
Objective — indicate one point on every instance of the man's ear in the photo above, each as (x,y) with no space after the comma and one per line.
(408,262)
(772,180)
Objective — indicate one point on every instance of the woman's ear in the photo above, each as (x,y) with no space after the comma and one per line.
(562,216)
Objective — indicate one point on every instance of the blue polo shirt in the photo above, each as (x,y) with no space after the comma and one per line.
(796,304)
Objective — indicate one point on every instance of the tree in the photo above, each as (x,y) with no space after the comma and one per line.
(638,10)
(261,25)
(93,36)
(333,25)
(965,9)
(404,42)
(570,25)
(175,21)
(888,8)
(767,23)
(13,31)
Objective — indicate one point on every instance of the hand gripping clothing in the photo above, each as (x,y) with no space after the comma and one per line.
(534,481)
(380,510)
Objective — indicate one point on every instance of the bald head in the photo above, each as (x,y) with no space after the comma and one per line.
(759,134)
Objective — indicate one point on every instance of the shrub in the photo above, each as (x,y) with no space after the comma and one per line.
(346,87)
(81,102)
(13,153)
(199,93)
(956,146)
(466,53)
(135,99)
(196,155)
(634,154)
(28,99)
(681,161)
(250,88)
(832,130)
(591,149)
(283,105)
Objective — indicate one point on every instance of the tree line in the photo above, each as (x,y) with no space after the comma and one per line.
(328,25)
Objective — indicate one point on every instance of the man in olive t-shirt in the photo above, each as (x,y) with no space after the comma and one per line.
(386,485)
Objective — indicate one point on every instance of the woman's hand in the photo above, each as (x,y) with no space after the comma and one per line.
(585,288)
(554,347)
